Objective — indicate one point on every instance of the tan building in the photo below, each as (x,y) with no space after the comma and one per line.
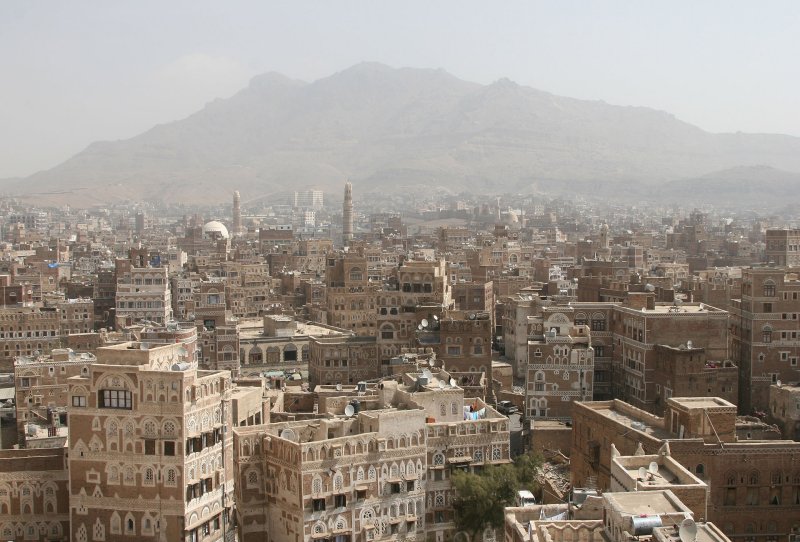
(26,330)
(612,517)
(278,343)
(754,484)
(345,359)
(350,295)
(143,293)
(766,338)
(34,495)
(560,366)
(42,390)
(640,324)
(784,408)
(685,371)
(783,247)
(374,465)
(149,457)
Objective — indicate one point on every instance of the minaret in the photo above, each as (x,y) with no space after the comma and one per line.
(347,214)
(237,214)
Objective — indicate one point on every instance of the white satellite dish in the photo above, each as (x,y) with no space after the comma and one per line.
(653,467)
(288,434)
(349,410)
(441,385)
(453,382)
(338,387)
(419,327)
(688,530)
(436,318)
(642,473)
(424,322)
(427,374)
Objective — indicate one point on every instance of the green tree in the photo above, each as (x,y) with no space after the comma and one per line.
(481,497)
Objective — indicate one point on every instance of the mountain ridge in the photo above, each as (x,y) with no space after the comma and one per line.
(382,127)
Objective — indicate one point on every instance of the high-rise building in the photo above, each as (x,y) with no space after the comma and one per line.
(237,213)
(149,454)
(765,333)
(308,199)
(347,214)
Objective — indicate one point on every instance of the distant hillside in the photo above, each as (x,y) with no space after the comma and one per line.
(747,186)
(397,129)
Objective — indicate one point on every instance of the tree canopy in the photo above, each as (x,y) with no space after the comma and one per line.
(481,497)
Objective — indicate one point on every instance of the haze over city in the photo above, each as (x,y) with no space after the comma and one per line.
(78,72)
(399,272)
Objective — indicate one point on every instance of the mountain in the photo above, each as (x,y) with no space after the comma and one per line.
(398,130)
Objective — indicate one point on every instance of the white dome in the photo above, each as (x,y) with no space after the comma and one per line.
(215,228)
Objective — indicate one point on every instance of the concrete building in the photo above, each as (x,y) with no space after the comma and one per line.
(237,213)
(309,199)
(149,458)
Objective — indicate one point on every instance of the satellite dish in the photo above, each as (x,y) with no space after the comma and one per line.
(349,410)
(338,387)
(288,434)
(653,467)
(649,287)
(424,322)
(419,327)
(642,473)
(472,316)
(453,382)
(427,374)
(688,530)
(436,318)
(441,385)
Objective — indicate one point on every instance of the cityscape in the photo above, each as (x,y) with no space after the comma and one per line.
(392,304)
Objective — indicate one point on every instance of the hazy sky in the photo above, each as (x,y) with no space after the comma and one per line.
(78,71)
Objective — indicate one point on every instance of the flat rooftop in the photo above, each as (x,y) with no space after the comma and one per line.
(648,503)
(702,402)
(691,308)
(254,329)
(634,423)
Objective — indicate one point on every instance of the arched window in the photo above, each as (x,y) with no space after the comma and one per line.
(769,288)
(700,470)
(766,334)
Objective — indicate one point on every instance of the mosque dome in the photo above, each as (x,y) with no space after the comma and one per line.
(216,228)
